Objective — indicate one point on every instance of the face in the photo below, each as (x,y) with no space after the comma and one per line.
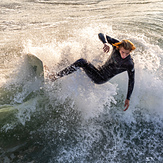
(124,53)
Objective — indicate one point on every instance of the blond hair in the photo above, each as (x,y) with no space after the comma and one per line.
(126,44)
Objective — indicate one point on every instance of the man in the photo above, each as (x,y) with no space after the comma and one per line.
(118,62)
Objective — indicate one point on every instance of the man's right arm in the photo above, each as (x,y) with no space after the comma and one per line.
(106,47)
(110,40)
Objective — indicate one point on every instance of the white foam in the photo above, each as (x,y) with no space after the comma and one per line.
(89,97)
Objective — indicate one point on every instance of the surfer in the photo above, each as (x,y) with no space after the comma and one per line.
(118,62)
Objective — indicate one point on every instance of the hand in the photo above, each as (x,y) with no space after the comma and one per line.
(106,47)
(126,104)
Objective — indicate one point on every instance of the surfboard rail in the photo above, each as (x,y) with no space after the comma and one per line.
(36,65)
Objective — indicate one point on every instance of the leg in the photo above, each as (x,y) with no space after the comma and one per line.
(96,75)
(74,67)
(68,70)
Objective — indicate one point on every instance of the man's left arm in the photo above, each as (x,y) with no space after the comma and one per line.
(131,75)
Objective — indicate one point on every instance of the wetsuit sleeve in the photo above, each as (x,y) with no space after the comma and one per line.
(131,75)
(108,39)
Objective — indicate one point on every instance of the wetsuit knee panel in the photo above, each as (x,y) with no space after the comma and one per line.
(81,62)
(99,81)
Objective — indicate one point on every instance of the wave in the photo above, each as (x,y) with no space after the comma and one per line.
(57,55)
(76,120)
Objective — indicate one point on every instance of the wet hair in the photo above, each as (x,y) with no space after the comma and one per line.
(126,44)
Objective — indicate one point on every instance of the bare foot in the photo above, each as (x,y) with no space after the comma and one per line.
(46,68)
(52,77)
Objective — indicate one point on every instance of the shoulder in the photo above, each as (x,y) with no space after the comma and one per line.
(130,63)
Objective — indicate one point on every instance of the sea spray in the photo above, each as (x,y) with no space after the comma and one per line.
(88,97)
(74,120)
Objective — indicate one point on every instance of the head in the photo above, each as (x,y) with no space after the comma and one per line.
(124,47)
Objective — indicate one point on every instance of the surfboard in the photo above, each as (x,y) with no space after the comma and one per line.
(36,66)
(7,114)
(35,71)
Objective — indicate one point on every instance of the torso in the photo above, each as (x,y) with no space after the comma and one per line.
(115,64)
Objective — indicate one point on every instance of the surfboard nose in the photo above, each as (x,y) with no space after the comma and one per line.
(36,66)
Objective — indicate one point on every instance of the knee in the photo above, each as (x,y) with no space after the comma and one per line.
(81,62)
(99,82)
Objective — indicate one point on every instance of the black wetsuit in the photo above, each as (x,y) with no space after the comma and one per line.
(113,66)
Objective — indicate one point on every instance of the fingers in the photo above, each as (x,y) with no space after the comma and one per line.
(106,48)
(126,104)
(126,108)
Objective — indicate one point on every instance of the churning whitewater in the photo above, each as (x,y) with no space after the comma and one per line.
(72,119)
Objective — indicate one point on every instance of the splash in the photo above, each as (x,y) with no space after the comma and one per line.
(74,119)
(87,96)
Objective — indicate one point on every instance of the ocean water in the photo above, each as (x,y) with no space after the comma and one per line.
(74,120)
